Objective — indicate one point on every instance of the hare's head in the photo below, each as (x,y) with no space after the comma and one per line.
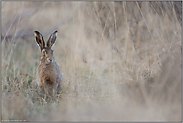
(46,51)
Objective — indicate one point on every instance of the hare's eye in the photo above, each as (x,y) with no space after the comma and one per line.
(43,51)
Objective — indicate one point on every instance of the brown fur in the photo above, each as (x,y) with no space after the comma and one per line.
(49,73)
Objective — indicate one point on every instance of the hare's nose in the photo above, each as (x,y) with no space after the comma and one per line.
(50,60)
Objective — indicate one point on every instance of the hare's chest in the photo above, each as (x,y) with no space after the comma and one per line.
(48,74)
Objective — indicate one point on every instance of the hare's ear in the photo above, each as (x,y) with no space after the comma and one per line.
(52,39)
(39,39)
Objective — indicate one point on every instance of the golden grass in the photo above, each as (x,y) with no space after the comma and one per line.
(121,61)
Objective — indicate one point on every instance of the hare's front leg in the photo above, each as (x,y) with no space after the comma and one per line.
(45,89)
(58,88)
(50,91)
(41,87)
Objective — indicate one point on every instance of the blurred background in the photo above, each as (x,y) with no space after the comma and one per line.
(121,61)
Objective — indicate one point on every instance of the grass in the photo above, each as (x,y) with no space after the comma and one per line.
(121,61)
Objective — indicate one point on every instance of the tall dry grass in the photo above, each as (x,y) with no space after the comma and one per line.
(121,61)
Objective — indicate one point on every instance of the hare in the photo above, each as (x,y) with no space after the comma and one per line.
(49,73)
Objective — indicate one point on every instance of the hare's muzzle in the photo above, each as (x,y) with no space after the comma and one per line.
(50,60)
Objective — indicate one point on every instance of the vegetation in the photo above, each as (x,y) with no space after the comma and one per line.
(121,61)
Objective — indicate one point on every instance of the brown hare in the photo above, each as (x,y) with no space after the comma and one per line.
(49,73)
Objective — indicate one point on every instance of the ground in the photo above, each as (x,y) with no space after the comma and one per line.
(121,61)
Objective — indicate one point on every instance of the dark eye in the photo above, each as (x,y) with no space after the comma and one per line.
(43,51)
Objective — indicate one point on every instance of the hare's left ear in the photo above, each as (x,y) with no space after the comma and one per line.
(52,39)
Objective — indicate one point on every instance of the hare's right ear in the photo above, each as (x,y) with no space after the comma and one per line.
(39,39)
